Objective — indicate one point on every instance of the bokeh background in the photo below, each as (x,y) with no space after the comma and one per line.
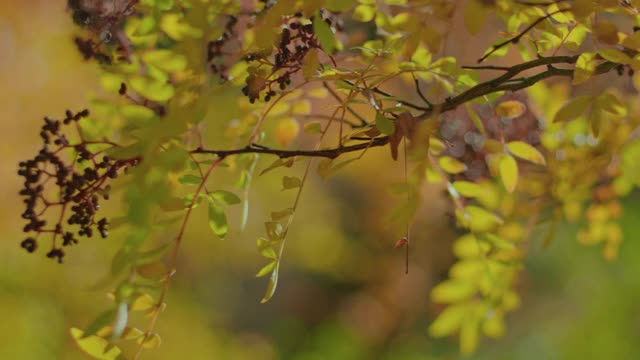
(343,293)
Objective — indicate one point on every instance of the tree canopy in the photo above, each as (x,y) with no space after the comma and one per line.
(311,87)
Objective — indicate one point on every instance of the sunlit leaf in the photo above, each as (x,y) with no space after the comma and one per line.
(325,35)
(312,128)
(467,189)
(525,151)
(585,67)
(189,179)
(225,197)
(286,130)
(573,108)
(273,283)
(217,220)
(384,124)
(451,165)
(510,109)
(509,172)
(364,13)
(143,302)
(267,269)
(447,321)
(150,341)
(265,248)
(452,291)
(96,347)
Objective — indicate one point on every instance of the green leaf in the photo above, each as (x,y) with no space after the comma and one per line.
(325,35)
(278,215)
(312,128)
(275,231)
(225,197)
(452,291)
(273,283)
(467,189)
(585,67)
(497,241)
(152,89)
(510,109)
(573,108)
(310,64)
(364,13)
(190,179)
(615,56)
(525,151)
(509,172)
(479,219)
(451,165)
(611,104)
(448,321)
(289,182)
(217,220)
(265,248)
(276,164)
(385,125)
(469,331)
(150,341)
(267,269)
(95,346)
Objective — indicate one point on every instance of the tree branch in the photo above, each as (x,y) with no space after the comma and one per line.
(504,82)
(283,154)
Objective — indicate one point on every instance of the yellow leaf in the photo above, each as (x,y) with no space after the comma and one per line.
(96,346)
(611,104)
(615,56)
(451,165)
(448,321)
(310,64)
(364,13)
(312,128)
(509,172)
(143,302)
(451,291)
(526,152)
(585,67)
(469,334)
(151,341)
(286,130)
(510,109)
(493,326)
(467,189)
(573,108)
(468,246)
(478,219)
(301,107)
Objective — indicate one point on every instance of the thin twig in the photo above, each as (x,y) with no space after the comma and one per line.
(516,38)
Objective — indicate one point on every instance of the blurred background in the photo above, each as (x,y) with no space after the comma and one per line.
(342,291)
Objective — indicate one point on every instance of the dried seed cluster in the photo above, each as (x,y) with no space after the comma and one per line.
(80,172)
(273,70)
(102,19)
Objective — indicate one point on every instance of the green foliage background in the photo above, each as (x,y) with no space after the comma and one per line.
(343,294)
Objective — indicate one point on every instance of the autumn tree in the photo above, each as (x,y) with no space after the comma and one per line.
(512,145)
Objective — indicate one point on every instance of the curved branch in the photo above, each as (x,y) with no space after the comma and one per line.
(283,154)
(504,82)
